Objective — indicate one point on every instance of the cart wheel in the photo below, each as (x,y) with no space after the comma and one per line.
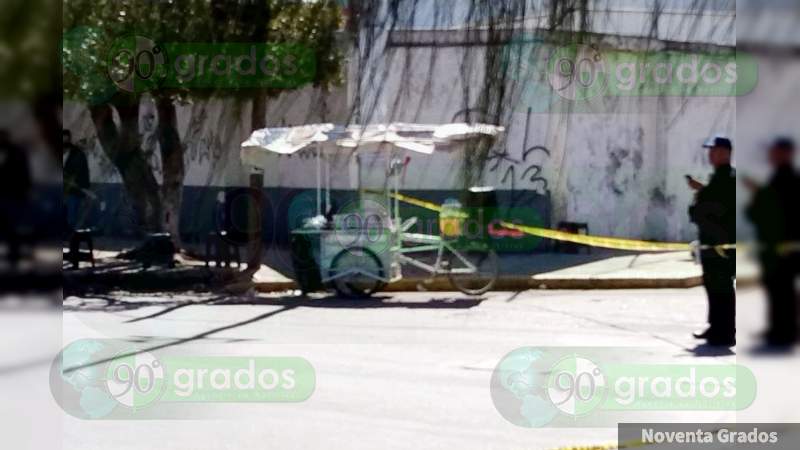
(357,285)
(473,271)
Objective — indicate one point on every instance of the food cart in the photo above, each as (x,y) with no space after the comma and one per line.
(358,250)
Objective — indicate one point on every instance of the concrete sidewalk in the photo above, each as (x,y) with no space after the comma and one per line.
(650,270)
(600,270)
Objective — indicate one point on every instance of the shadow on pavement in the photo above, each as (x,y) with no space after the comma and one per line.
(334,302)
(180,341)
(706,350)
(109,303)
(284,304)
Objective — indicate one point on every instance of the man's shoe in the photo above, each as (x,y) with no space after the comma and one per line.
(722,342)
(702,334)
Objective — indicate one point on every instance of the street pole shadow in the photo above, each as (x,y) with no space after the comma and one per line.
(179,341)
(284,304)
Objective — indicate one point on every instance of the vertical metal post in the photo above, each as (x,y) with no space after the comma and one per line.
(319,181)
(396,192)
(327,186)
(255,246)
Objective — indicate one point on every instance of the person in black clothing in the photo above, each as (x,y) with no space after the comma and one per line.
(15,186)
(714,213)
(76,180)
(774,213)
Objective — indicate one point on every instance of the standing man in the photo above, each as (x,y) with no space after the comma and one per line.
(76,180)
(714,212)
(777,220)
(15,186)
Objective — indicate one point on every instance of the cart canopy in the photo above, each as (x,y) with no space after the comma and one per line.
(328,137)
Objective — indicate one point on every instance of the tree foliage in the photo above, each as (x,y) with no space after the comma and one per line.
(93,32)
(26,43)
(92,28)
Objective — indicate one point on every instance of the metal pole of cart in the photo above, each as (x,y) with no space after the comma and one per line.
(360,185)
(327,186)
(319,181)
(396,191)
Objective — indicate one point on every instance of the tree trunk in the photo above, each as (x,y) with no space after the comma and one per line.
(173,168)
(258,120)
(259,14)
(47,112)
(122,145)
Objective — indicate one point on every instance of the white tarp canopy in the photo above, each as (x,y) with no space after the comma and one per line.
(328,137)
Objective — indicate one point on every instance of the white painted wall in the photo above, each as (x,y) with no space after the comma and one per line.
(621,170)
(619,166)
(211,131)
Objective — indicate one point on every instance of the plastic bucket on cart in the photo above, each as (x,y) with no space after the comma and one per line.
(451,219)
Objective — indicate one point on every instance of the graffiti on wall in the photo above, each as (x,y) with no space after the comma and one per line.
(522,174)
(203,144)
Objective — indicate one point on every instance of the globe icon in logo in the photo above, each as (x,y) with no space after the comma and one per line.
(92,379)
(518,388)
(532,387)
(77,383)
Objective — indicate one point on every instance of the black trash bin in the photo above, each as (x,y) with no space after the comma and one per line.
(480,203)
(306,269)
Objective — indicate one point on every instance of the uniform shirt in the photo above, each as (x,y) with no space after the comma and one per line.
(76,172)
(15,179)
(774,209)
(714,210)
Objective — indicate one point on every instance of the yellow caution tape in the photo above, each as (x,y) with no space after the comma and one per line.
(614,446)
(417,202)
(600,241)
(590,447)
(593,241)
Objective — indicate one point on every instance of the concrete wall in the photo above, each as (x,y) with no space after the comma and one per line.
(616,163)
(619,169)
(211,132)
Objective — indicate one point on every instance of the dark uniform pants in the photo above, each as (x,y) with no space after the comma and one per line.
(779,274)
(719,274)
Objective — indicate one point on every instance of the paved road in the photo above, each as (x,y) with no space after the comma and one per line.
(405,371)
